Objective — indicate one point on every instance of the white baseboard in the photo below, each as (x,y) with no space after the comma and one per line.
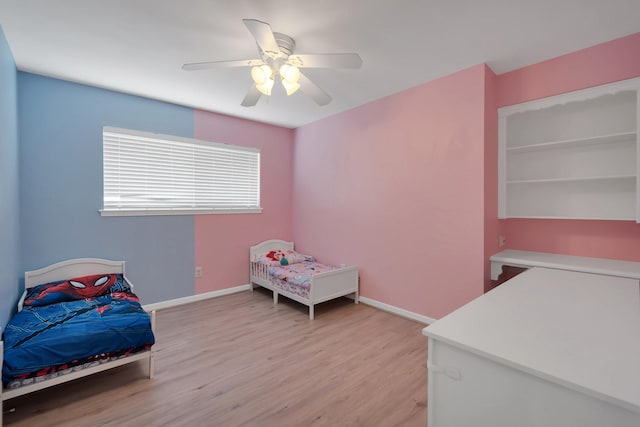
(193,298)
(214,294)
(399,311)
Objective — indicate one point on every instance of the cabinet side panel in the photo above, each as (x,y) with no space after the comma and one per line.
(502,168)
(638,155)
(490,394)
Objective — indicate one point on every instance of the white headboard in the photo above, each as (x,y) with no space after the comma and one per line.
(269,245)
(70,269)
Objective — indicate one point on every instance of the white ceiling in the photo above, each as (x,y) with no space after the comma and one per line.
(139,46)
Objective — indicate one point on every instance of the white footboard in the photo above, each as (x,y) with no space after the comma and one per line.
(334,284)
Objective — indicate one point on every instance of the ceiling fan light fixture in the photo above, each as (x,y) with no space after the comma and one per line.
(277,60)
(289,87)
(262,74)
(265,88)
(290,73)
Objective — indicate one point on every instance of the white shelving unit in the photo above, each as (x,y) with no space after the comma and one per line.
(571,156)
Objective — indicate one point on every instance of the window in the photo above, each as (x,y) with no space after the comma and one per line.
(148,174)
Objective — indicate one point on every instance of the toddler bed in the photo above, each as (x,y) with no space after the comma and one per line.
(299,277)
(75,318)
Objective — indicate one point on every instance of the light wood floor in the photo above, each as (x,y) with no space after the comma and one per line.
(239,361)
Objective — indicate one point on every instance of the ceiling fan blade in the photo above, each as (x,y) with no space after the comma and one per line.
(221,64)
(309,88)
(261,31)
(327,60)
(252,97)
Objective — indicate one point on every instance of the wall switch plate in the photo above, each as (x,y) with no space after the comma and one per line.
(502,240)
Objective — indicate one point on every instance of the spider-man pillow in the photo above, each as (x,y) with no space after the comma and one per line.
(74,289)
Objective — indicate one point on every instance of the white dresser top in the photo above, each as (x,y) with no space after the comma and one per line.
(576,329)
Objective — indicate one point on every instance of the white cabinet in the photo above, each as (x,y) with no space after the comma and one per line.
(547,348)
(572,156)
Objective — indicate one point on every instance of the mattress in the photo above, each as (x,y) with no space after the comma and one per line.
(296,278)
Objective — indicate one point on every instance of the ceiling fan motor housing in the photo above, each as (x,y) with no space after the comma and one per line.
(286,44)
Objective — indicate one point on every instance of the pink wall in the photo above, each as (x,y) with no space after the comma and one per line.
(604,63)
(608,62)
(600,239)
(222,241)
(396,188)
(406,187)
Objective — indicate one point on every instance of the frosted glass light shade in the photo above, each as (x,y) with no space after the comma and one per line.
(265,88)
(263,77)
(289,73)
(291,88)
(261,74)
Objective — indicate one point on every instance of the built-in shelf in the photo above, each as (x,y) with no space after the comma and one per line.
(575,179)
(571,156)
(572,218)
(601,139)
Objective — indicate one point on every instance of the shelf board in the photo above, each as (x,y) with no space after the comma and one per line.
(600,139)
(574,179)
(568,217)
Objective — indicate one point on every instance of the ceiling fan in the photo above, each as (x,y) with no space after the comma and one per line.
(278,61)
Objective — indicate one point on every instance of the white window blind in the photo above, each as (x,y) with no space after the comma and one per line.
(147,174)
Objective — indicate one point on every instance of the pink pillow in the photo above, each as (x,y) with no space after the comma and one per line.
(274,257)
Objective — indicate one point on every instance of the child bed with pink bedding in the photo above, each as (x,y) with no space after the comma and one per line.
(276,266)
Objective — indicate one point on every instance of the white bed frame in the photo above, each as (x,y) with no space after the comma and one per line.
(324,286)
(67,270)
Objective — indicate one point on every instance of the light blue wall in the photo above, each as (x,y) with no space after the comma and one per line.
(60,126)
(9,201)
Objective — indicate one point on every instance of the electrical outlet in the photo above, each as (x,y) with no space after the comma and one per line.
(198,272)
(502,240)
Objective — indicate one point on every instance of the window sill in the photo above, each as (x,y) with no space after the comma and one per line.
(156,212)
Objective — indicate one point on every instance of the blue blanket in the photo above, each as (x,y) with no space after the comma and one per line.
(40,337)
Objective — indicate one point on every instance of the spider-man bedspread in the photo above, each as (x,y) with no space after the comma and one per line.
(68,323)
